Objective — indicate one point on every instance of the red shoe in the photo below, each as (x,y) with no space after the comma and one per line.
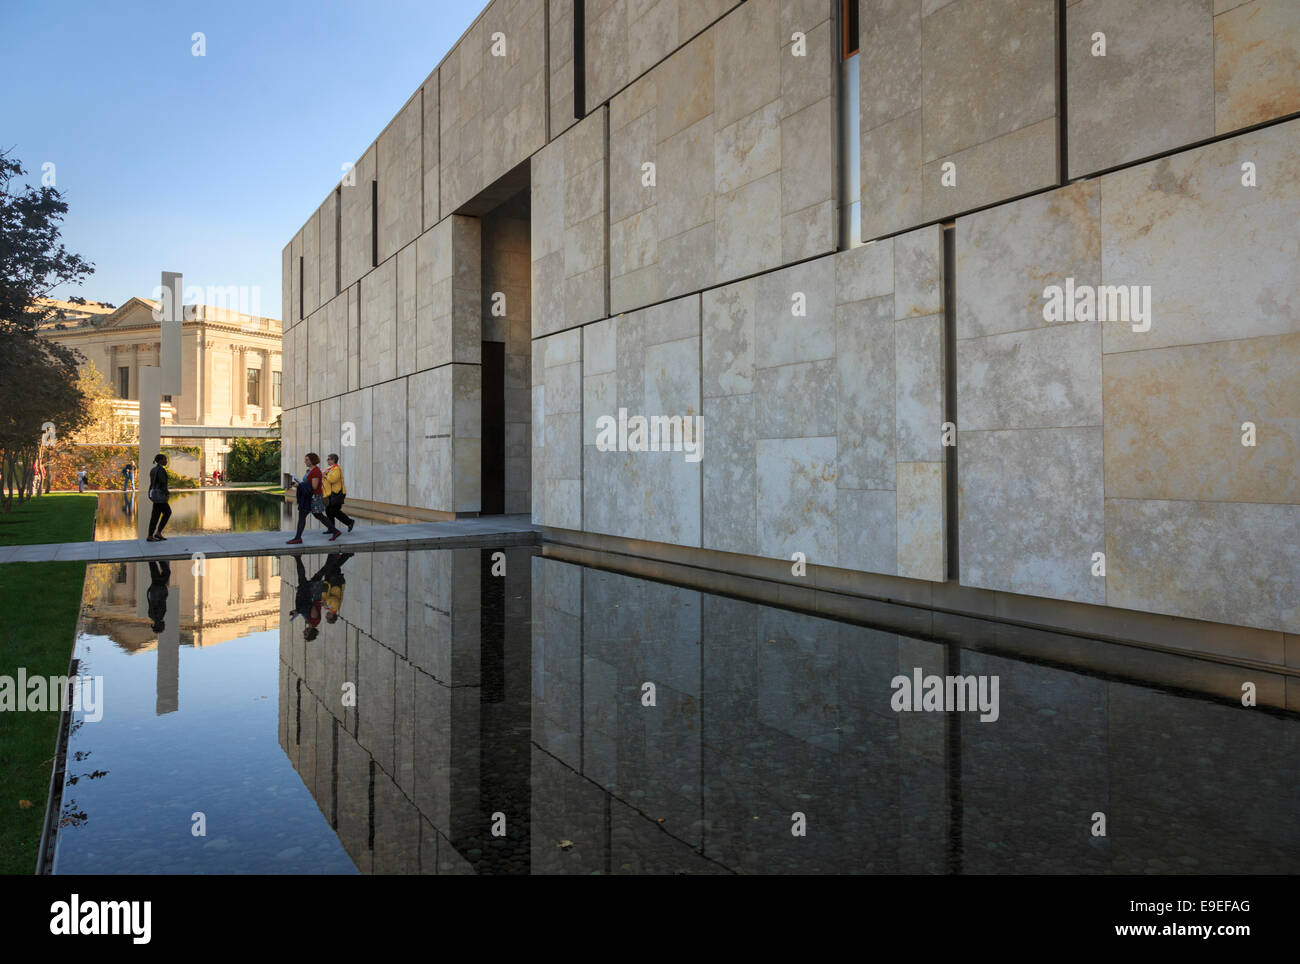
(294,542)
(336,535)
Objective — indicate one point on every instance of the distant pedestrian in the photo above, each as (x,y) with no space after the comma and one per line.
(335,493)
(128,476)
(310,498)
(81,480)
(158,495)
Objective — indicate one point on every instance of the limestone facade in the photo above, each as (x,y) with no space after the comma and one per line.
(686,261)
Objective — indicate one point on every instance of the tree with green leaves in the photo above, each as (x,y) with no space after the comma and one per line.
(40,398)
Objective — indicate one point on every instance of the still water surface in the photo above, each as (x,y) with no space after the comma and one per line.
(219,510)
(411,712)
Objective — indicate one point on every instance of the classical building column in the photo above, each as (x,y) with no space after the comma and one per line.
(241,382)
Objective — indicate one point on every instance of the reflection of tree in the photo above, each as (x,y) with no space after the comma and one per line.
(98,579)
(252,511)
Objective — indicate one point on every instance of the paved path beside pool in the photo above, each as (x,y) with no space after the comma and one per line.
(462,533)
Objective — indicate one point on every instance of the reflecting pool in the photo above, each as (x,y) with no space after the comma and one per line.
(499,711)
(193,510)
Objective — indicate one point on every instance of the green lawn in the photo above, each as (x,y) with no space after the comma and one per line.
(40,602)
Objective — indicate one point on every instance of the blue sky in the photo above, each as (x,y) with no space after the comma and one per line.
(205,165)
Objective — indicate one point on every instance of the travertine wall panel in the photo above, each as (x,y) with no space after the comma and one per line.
(311,265)
(444,438)
(354,337)
(1243,280)
(569,227)
(930,95)
(647,364)
(430,150)
(296,296)
(448,325)
(326,347)
(823,429)
(406,312)
(1124,435)
(1173,413)
(355,424)
(557,430)
(288,317)
(329,230)
(560,66)
(1230,562)
(1153,89)
(492,109)
(724,124)
(625,38)
(388,421)
(1175,72)
(1256,63)
(401,158)
(379,324)
(356,227)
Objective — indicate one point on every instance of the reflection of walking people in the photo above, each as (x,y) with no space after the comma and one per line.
(158,495)
(306,601)
(310,498)
(331,574)
(335,493)
(160,573)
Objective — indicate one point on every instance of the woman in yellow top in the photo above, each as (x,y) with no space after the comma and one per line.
(335,491)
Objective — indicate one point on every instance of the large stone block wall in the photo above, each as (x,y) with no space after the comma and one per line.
(1174,72)
(401,179)
(823,430)
(646,362)
(570,232)
(492,109)
(971,83)
(356,228)
(740,133)
(624,38)
(1078,437)
(821,391)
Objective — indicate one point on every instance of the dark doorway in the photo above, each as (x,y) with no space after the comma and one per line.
(494,435)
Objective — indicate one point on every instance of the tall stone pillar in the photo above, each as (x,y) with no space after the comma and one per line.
(150,392)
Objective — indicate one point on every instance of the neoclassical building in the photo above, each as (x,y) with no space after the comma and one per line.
(231,363)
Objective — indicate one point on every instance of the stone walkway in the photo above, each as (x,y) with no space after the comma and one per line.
(493,531)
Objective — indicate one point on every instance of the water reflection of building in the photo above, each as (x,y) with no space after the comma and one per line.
(219,600)
(192,511)
(522,696)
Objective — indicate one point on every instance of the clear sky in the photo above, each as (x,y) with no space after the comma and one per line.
(205,165)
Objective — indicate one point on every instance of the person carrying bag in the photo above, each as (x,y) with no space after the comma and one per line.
(310,499)
(335,493)
(158,495)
